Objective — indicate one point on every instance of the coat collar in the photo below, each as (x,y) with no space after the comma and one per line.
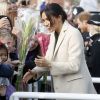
(61,36)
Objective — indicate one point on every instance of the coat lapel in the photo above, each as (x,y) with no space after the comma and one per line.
(61,37)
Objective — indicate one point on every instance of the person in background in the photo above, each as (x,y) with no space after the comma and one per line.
(7,28)
(6,71)
(64,58)
(5,22)
(89,6)
(4,7)
(33,52)
(93,53)
(81,21)
(9,9)
(33,3)
(72,13)
(60,2)
(7,38)
(42,6)
(67,5)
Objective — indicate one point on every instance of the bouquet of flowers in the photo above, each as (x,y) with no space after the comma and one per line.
(27,30)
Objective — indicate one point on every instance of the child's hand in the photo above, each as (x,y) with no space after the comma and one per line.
(13,63)
(16,62)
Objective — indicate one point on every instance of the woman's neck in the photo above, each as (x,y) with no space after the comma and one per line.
(58,30)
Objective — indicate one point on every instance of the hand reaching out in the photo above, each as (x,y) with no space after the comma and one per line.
(3,22)
(28,75)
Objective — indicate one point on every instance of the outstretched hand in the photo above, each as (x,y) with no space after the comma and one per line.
(28,75)
(3,22)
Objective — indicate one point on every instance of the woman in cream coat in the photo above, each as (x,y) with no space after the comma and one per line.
(65,55)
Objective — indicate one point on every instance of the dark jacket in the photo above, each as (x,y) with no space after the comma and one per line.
(29,61)
(93,56)
(86,36)
(13,55)
(6,70)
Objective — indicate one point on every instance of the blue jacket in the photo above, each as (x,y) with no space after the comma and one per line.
(6,70)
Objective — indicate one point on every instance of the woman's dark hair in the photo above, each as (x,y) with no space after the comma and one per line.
(54,10)
(2,16)
(2,46)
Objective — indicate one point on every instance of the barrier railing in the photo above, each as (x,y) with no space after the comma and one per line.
(95,80)
(60,96)
(69,96)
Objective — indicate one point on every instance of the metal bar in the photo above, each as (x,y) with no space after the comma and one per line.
(60,96)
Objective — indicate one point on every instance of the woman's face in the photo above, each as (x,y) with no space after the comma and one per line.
(47,23)
(3,55)
(33,43)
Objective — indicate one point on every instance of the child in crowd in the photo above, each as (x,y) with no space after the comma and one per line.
(10,41)
(3,7)
(93,53)
(4,68)
(38,45)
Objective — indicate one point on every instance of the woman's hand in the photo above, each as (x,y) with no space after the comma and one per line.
(28,75)
(42,62)
(3,22)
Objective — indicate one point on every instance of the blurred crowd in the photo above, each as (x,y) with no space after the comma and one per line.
(84,16)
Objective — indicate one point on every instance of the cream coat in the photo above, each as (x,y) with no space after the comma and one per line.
(69,69)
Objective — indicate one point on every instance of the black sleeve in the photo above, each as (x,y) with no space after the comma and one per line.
(6,70)
(93,59)
(29,61)
(29,64)
(13,55)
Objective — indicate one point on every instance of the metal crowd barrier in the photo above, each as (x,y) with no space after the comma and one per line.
(94,79)
(60,96)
